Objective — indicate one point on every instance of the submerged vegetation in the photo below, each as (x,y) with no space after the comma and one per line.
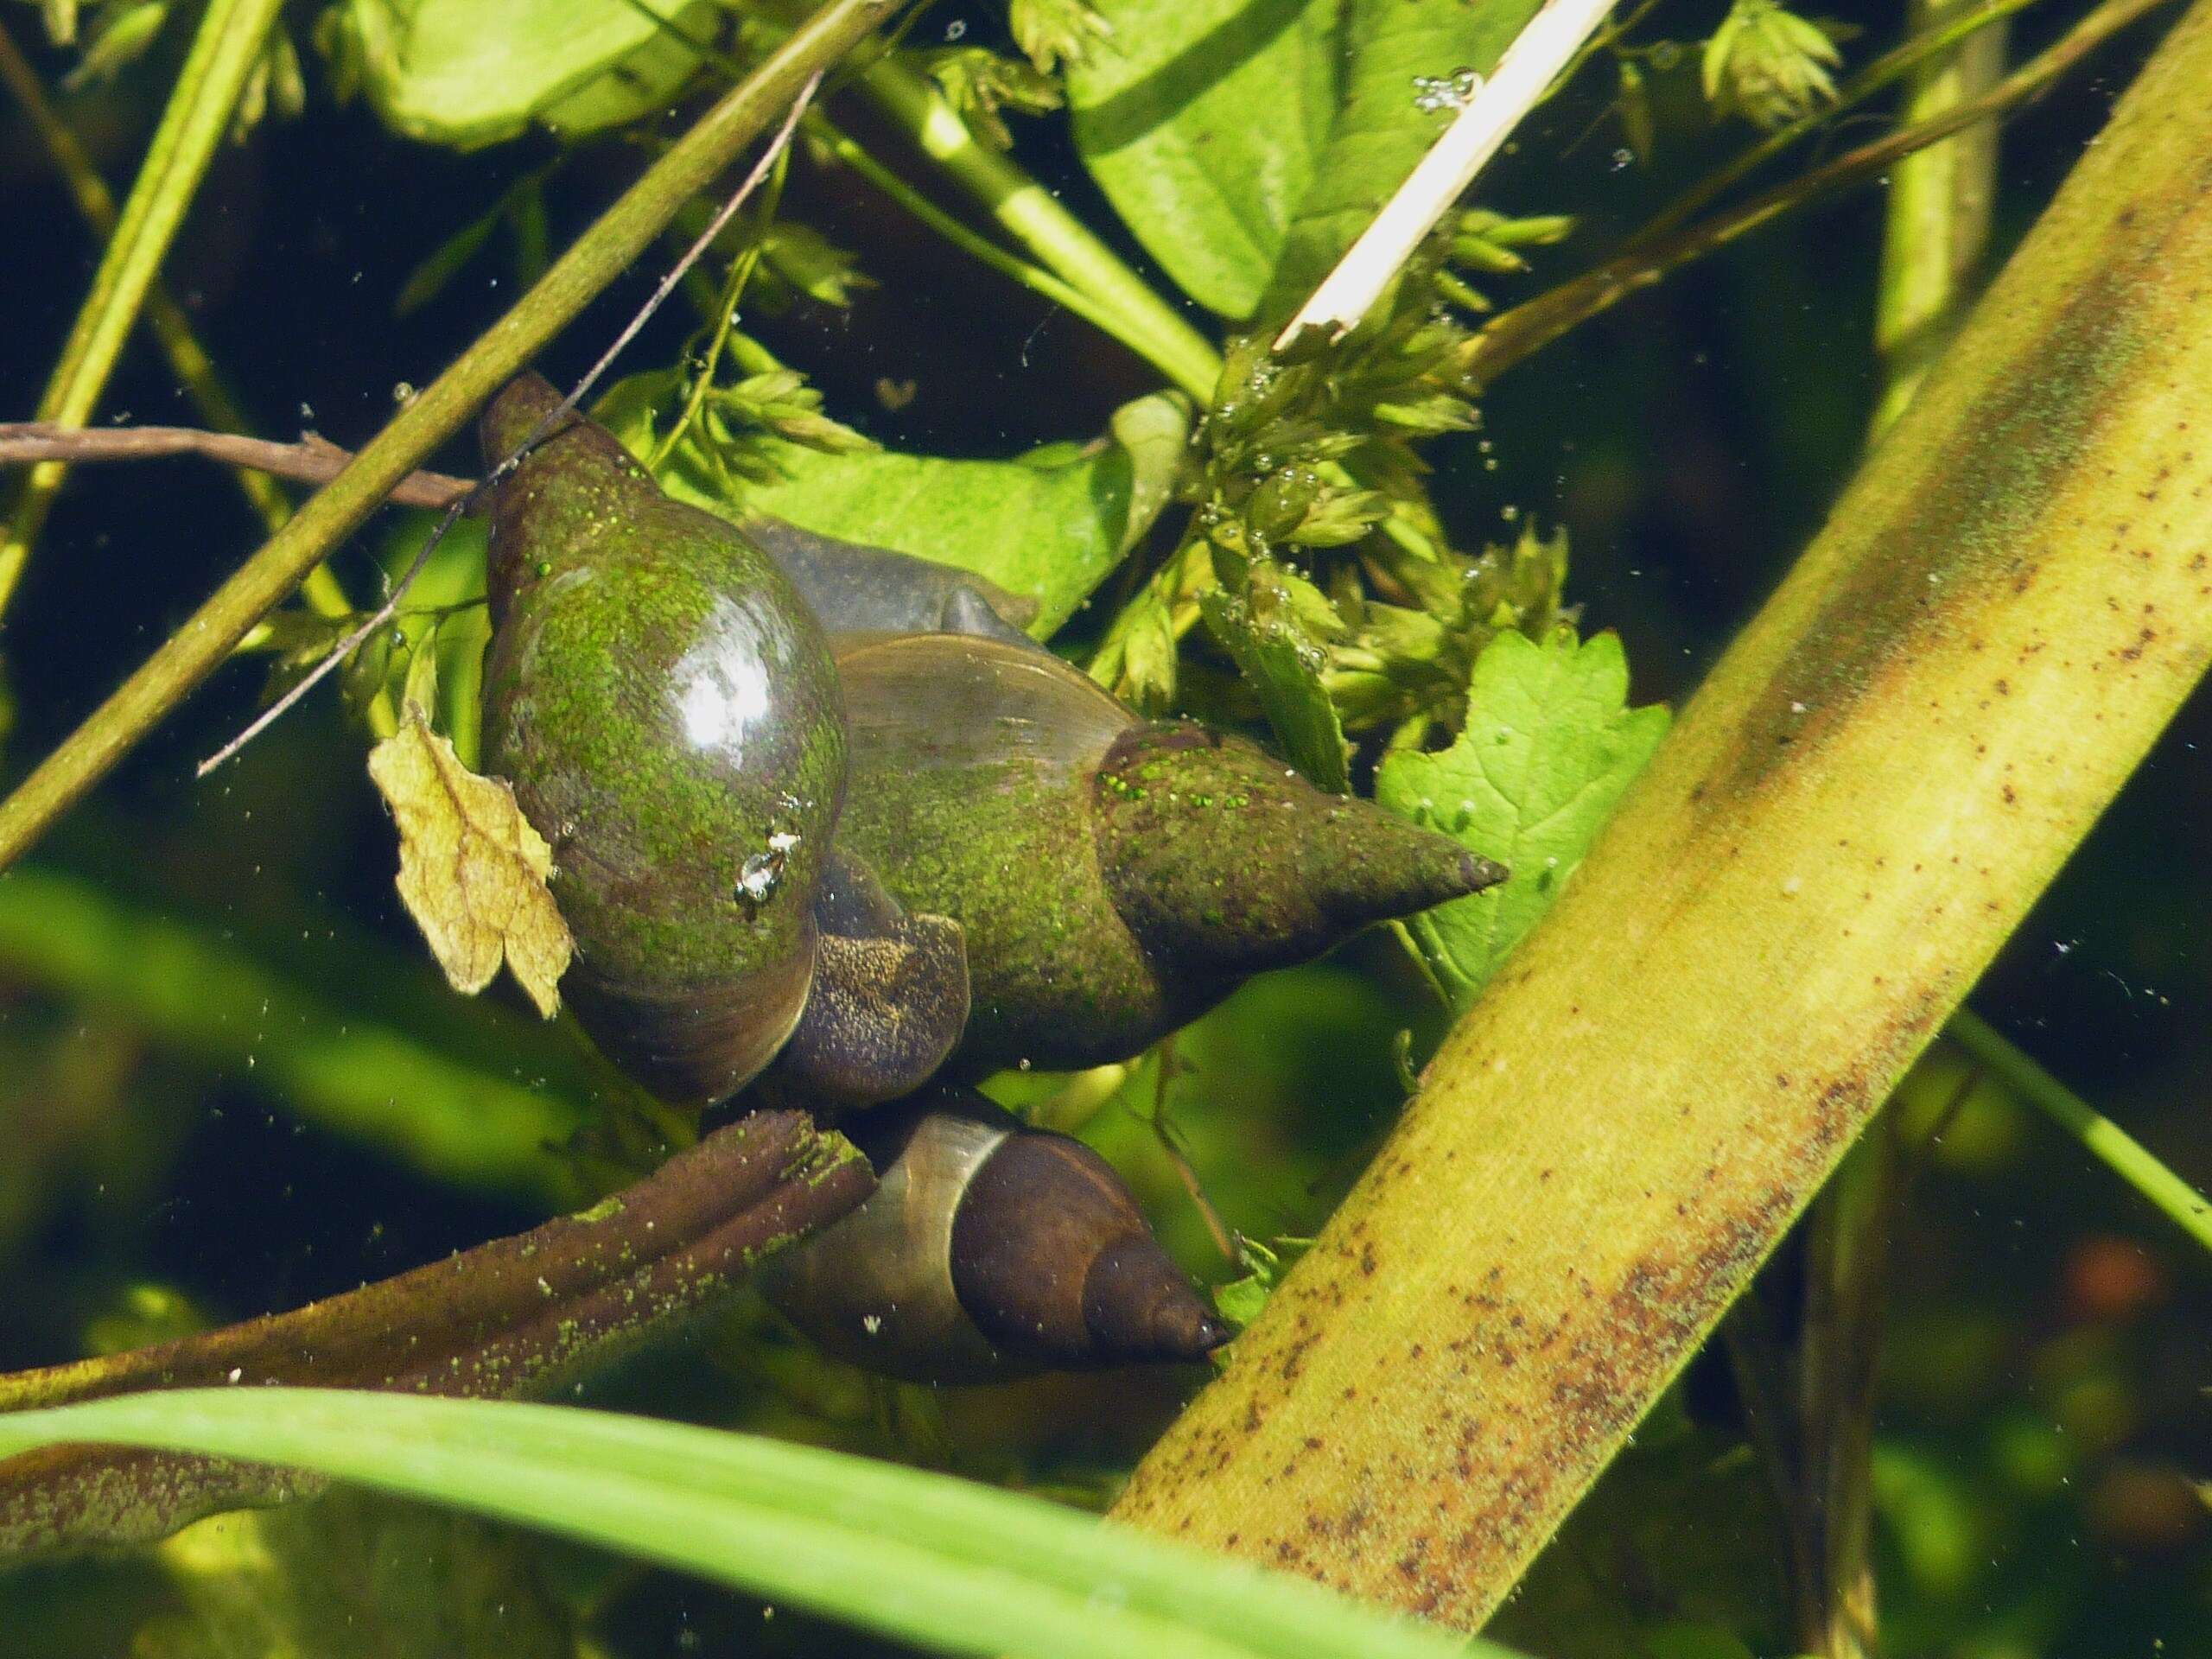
(1690,1274)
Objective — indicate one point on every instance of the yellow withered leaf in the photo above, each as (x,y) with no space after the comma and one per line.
(472,871)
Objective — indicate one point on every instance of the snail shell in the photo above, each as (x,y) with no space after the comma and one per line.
(1113,877)
(987,1250)
(665,707)
(856,588)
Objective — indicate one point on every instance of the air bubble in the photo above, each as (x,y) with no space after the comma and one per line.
(1452,92)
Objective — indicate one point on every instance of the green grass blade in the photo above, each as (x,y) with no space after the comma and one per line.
(955,1566)
(2104,1139)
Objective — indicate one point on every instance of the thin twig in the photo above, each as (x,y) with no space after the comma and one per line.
(726,305)
(499,475)
(1883,72)
(1527,71)
(165,318)
(1519,334)
(610,246)
(313,460)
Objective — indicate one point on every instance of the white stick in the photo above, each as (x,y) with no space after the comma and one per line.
(1524,73)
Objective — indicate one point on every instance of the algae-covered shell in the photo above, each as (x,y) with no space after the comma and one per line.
(1113,877)
(666,709)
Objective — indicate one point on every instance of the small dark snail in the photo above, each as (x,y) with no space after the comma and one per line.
(1113,877)
(664,705)
(987,1250)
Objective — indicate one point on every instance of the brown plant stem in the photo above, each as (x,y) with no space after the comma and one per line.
(517,1316)
(1519,334)
(625,232)
(313,460)
(1860,805)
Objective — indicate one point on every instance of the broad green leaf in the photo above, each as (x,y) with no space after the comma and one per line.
(1391,49)
(1262,630)
(1050,525)
(470,73)
(944,1563)
(1549,745)
(1204,121)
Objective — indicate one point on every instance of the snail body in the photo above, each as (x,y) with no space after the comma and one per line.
(1113,877)
(987,1250)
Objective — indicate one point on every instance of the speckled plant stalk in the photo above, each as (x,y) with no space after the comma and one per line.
(1879,777)
(517,1316)
(1933,246)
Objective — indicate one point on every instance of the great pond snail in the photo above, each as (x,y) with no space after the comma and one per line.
(823,818)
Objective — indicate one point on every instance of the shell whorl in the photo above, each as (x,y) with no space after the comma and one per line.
(666,709)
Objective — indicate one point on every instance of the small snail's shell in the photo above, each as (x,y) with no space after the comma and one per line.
(987,1250)
(1113,877)
(856,588)
(665,707)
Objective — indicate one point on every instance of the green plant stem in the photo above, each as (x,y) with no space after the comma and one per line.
(1933,42)
(165,319)
(1513,336)
(1052,236)
(1847,1275)
(1865,799)
(1938,212)
(725,317)
(621,235)
(1038,281)
(1089,281)
(2104,1139)
(1147,342)
(224,53)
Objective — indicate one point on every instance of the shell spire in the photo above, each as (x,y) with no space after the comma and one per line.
(987,1250)
(1224,859)
(1113,877)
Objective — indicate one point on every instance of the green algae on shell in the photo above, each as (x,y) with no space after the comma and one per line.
(664,705)
(1114,877)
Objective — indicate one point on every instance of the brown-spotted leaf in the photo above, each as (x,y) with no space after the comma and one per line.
(472,871)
